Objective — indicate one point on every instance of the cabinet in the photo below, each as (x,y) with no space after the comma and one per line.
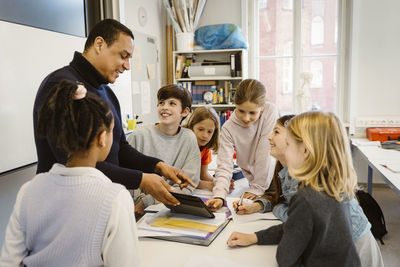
(212,76)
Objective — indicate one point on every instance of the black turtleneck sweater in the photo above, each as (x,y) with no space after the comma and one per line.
(124,164)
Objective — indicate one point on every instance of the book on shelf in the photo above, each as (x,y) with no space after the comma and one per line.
(180,63)
(205,83)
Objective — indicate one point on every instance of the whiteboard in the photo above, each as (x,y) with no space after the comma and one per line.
(27,56)
(144,98)
(135,89)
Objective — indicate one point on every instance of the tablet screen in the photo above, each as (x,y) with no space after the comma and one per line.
(190,205)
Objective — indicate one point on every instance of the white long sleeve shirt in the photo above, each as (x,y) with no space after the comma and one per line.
(252,152)
(119,245)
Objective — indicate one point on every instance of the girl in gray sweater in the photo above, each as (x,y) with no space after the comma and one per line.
(318,156)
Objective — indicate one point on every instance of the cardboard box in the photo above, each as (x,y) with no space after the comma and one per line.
(383,134)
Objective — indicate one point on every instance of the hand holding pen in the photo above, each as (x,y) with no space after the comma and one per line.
(240,202)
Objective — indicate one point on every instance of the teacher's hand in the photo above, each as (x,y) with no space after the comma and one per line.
(158,188)
(173,174)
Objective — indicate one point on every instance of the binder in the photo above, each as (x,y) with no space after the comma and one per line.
(233,65)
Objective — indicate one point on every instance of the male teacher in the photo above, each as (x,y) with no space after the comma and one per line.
(106,55)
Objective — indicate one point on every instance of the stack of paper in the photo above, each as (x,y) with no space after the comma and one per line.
(165,223)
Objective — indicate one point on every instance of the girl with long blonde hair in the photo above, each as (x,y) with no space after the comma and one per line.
(318,155)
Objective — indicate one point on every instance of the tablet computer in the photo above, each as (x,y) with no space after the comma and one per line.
(190,205)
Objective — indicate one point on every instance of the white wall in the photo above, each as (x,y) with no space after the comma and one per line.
(374,70)
(156,22)
(221,11)
(375,57)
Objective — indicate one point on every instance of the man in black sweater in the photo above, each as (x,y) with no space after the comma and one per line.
(107,52)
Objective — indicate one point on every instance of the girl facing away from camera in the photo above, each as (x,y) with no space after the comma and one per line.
(73,215)
(318,229)
(246,133)
(283,187)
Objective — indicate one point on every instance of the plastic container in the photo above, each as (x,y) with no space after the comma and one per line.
(184,41)
(209,70)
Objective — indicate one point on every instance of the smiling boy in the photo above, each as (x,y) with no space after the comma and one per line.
(167,140)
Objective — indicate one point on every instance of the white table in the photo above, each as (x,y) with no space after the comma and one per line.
(156,252)
(376,156)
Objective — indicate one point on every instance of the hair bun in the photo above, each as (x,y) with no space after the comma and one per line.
(80,92)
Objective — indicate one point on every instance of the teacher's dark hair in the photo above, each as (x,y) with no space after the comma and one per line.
(109,30)
(72,124)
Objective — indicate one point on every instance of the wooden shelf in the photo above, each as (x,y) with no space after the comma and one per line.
(209,51)
(214,105)
(208,78)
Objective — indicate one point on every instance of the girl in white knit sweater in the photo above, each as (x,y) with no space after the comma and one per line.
(73,215)
(246,132)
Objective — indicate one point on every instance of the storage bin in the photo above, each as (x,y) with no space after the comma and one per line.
(209,70)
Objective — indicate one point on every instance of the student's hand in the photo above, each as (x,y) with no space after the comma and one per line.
(139,208)
(206,185)
(214,204)
(251,196)
(232,186)
(247,208)
(158,188)
(241,240)
(173,174)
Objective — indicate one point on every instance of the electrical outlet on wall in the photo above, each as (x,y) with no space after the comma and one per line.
(384,121)
(358,128)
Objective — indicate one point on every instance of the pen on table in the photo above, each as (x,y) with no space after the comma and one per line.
(240,202)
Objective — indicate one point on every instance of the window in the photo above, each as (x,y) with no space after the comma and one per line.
(317,31)
(287,5)
(316,70)
(301,36)
(262,4)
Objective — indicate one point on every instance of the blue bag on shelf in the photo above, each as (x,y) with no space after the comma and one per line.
(220,36)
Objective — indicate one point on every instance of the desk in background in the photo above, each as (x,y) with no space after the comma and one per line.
(376,157)
(156,252)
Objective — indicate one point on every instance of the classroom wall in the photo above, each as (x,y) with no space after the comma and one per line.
(156,22)
(375,56)
(374,68)
(221,11)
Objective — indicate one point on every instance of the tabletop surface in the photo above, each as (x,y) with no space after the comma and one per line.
(156,252)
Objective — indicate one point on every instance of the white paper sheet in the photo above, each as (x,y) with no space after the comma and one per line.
(151,71)
(137,59)
(247,217)
(135,88)
(145,95)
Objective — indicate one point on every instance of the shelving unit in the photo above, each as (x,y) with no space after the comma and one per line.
(213,62)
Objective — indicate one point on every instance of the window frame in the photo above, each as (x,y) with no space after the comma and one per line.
(250,19)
